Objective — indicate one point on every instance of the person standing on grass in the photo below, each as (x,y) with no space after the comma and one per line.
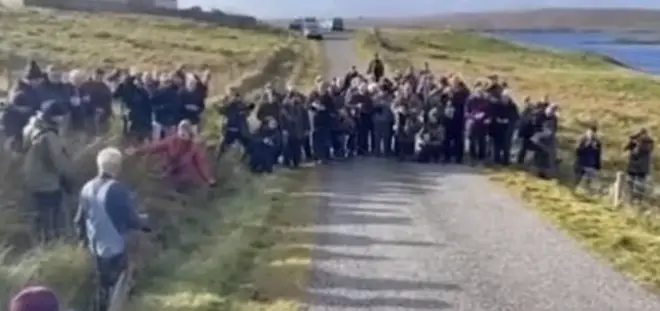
(135,98)
(167,106)
(47,169)
(106,213)
(376,67)
(236,111)
(587,157)
(25,98)
(101,101)
(35,298)
(194,97)
(640,149)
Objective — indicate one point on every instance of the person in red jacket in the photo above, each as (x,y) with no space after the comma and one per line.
(185,160)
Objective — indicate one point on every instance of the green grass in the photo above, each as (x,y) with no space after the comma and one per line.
(91,40)
(204,246)
(588,88)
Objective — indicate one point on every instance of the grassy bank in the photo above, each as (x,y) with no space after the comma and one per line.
(203,245)
(241,261)
(74,39)
(588,89)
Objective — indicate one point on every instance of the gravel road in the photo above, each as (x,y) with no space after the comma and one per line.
(395,236)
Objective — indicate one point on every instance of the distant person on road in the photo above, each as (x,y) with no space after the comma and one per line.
(106,213)
(376,67)
(47,169)
(35,298)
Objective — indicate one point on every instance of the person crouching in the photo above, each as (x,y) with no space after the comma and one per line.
(266,142)
(431,140)
(185,160)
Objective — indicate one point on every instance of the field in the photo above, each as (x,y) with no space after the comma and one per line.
(588,89)
(566,19)
(206,246)
(112,40)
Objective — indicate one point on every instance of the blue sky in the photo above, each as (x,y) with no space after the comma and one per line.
(329,8)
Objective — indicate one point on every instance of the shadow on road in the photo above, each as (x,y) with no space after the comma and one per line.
(332,300)
(327,280)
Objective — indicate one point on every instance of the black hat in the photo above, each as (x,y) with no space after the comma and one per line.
(32,71)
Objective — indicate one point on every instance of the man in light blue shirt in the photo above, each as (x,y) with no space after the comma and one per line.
(106,213)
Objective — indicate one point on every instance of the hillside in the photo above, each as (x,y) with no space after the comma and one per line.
(202,243)
(542,19)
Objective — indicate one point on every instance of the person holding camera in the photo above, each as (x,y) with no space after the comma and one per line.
(640,149)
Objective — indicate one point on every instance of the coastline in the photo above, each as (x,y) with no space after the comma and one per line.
(587,54)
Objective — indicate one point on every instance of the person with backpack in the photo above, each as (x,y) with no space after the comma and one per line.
(47,168)
(184,158)
(106,213)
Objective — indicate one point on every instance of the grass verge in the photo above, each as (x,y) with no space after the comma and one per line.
(588,88)
(202,244)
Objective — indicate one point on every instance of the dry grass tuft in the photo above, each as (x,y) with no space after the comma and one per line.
(588,88)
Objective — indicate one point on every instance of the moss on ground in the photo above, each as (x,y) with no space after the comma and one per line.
(588,88)
(205,246)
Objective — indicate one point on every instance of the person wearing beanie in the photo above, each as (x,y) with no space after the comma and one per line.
(33,74)
(47,169)
(35,298)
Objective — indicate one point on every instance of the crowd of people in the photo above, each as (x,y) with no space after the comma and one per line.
(407,116)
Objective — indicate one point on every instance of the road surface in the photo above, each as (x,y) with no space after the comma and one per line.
(395,236)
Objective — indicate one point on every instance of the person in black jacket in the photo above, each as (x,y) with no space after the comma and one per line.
(265,143)
(235,110)
(376,67)
(167,105)
(136,107)
(322,105)
(294,126)
(640,149)
(504,117)
(194,97)
(363,103)
(454,121)
(587,157)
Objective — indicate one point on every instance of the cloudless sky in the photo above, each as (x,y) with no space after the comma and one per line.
(395,8)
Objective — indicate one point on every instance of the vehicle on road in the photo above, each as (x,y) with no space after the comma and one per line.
(337,24)
(296,24)
(312,30)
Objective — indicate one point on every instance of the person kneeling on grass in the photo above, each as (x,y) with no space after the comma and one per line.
(265,143)
(106,213)
(185,160)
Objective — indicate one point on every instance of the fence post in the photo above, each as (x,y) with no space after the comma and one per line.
(618,189)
